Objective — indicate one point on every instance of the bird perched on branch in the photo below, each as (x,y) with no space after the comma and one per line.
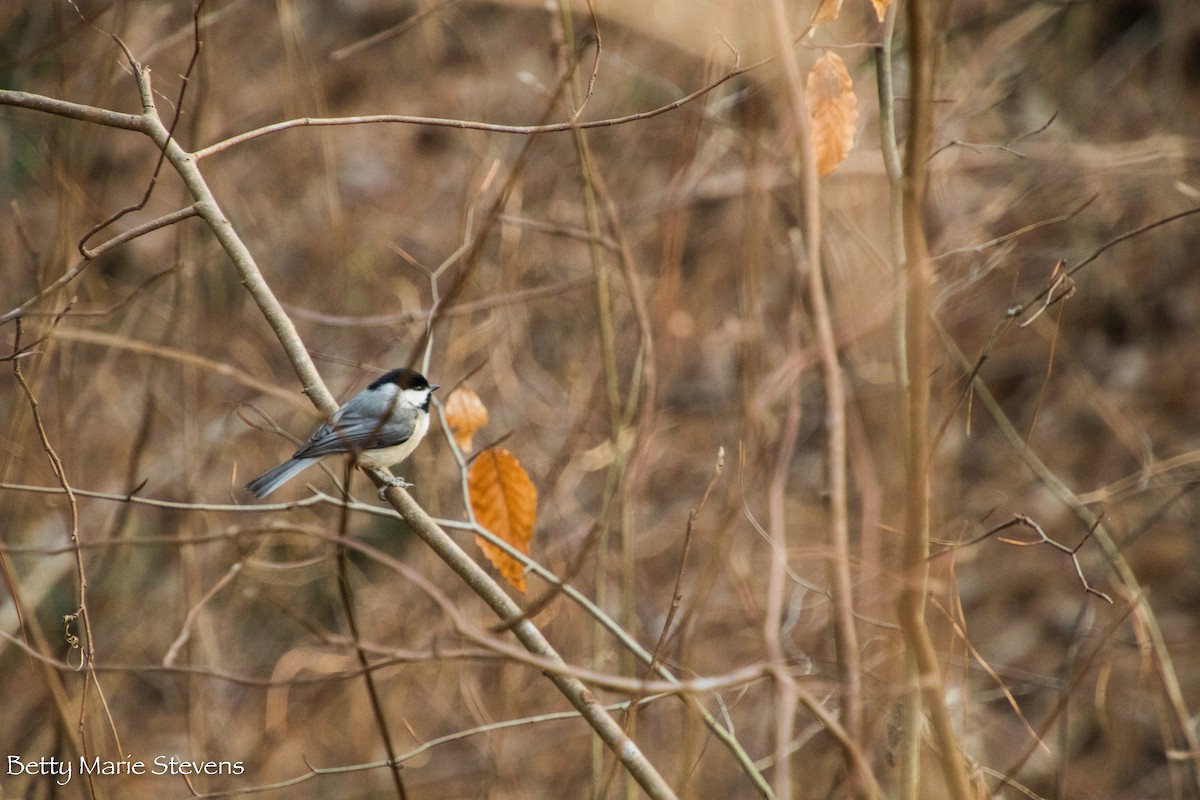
(381,426)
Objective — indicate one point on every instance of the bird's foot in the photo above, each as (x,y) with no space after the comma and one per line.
(395,481)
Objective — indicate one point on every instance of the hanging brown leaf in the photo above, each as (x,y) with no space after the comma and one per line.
(834,111)
(881,7)
(827,11)
(504,500)
(466,414)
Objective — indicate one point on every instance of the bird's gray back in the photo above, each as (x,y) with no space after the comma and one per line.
(356,426)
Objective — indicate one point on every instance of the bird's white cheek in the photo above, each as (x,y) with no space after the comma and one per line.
(415,397)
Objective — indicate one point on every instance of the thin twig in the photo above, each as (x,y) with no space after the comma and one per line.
(613,497)
(1007,237)
(1019,309)
(235,374)
(461,124)
(147,106)
(392,32)
(95,252)
(1138,231)
(346,597)
(316,772)
(82,613)
(1144,613)
(677,594)
(185,632)
(626,751)
(1026,521)
(441,310)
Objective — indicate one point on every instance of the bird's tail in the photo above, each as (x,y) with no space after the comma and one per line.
(268,482)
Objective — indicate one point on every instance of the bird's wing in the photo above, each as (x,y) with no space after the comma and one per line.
(356,427)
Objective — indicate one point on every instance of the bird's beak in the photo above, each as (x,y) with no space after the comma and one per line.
(435,387)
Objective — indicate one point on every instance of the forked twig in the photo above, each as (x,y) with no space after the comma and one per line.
(1023,520)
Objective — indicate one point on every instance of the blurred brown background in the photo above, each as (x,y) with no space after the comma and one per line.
(1041,107)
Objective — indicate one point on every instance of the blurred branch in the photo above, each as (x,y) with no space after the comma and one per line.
(396,658)
(181,357)
(727,737)
(915,586)
(460,309)
(894,168)
(462,124)
(424,747)
(978,658)
(1006,147)
(1116,240)
(1044,296)
(979,248)
(598,41)
(147,107)
(82,613)
(614,502)
(911,722)
(626,751)
(808,269)
(1143,611)
(656,654)
(92,254)
(641,401)
(1139,481)
(840,559)
(558,229)
(786,690)
(185,632)
(392,32)
(1082,666)
(474,241)
(345,595)
(637,687)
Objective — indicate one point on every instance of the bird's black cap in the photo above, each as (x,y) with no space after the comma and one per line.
(404,378)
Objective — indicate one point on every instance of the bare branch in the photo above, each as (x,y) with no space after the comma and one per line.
(76,111)
(94,253)
(462,124)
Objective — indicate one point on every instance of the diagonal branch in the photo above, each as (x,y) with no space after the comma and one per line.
(207,207)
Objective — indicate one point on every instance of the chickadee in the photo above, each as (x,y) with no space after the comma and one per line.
(381,425)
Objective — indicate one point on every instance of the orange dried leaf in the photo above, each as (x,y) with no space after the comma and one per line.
(827,11)
(834,111)
(504,500)
(466,414)
(881,7)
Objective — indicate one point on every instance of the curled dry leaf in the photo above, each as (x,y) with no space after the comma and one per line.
(827,11)
(834,111)
(466,414)
(504,500)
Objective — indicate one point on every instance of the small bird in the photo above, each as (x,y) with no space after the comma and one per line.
(381,426)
